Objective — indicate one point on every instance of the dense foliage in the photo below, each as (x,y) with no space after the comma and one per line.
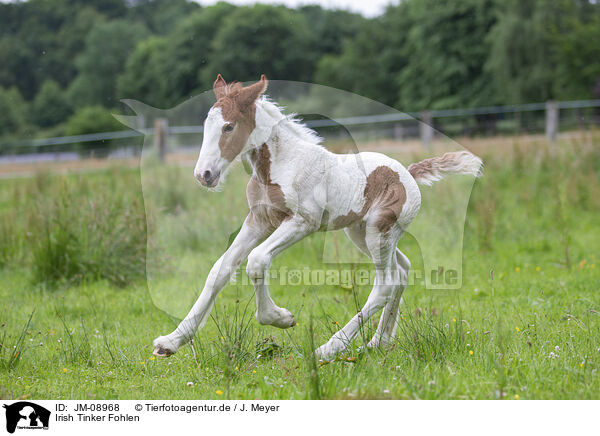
(61,56)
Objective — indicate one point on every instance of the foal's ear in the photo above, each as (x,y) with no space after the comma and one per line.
(220,87)
(250,94)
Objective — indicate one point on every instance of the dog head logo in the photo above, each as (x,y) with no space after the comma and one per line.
(24,414)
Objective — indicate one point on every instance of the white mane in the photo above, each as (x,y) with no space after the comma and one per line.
(289,122)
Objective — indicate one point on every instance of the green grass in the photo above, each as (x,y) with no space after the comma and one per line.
(526,323)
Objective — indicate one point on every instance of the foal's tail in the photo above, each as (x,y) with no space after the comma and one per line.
(459,162)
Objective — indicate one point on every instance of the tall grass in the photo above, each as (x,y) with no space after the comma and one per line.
(12,348)
(76,228)
(532,187)
(103,238)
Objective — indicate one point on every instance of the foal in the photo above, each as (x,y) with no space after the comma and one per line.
(298,188)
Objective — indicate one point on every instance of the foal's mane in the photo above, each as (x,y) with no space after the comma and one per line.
(290,122)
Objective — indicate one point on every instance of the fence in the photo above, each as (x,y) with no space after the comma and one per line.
(495,119)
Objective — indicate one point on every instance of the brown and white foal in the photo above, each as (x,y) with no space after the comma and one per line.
(297,188)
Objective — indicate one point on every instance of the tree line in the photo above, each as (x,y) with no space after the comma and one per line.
(66,63)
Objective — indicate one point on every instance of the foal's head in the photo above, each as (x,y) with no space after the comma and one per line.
(227,128)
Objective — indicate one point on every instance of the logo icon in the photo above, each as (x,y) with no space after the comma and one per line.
(26,415)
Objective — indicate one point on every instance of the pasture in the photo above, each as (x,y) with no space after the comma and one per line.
(77,317)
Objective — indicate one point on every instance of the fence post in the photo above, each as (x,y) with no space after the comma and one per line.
(425,128)
(161,129)
(551,120)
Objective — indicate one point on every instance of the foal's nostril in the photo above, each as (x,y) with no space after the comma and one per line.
(206,176)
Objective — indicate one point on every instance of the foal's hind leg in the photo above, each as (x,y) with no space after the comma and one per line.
(382,248)
(388,322)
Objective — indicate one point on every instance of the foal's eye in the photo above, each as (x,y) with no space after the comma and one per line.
(227,128)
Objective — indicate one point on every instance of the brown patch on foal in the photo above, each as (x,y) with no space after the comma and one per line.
(238,107)
(385,193)
(265,198)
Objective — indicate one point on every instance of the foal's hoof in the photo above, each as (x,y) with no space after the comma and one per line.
(281,318)
(164,347)
(286,321)
(326,353)
(162,352)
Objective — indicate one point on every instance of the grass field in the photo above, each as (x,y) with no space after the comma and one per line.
(77,315)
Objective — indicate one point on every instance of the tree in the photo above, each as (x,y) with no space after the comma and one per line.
(50,106)
(92,119)
(260,39)
(521,60)
(18,65)
(161,16)
(107,47)
(446,51)
(72,36)
(577,51)
(146,72)
(40,39)
(371,59)
(163,71)
(329,29)
(14,112)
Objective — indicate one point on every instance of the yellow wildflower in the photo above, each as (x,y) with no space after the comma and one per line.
(470,352)
(219,392)
(517,269)
(516,396)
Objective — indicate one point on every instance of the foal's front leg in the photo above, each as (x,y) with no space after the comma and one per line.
(249,236)
(259,261)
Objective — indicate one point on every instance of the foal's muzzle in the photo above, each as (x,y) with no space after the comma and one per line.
(208,178)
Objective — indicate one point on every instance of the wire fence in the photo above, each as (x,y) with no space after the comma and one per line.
(548,117)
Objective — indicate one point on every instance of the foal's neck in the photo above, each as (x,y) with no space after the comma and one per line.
(268,116)
(275,137)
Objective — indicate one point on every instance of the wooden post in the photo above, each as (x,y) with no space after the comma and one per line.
(551,120)
(161,129)
(426,128)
